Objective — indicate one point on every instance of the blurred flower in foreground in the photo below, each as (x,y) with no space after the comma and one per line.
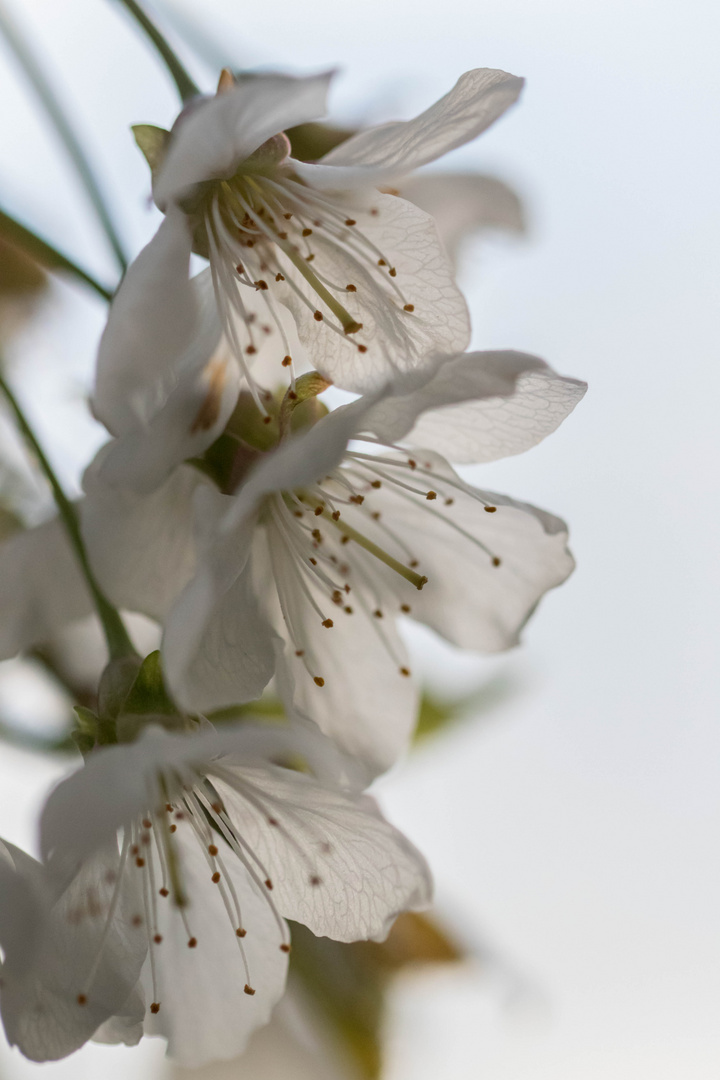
(363,274)
(219,844)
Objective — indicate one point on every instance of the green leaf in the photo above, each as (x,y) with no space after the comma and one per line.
(153,142)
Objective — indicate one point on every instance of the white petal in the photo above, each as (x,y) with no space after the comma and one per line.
(141,547)
(467,599)
(40,1007)
(334,862)
(41,587)
(464,203)
(477,407)
(382,153)
(366,705)
(151,320)
(397,341)
(215,135)
(205,1012)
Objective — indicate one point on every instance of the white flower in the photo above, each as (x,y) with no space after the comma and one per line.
(362,274)
(219,843)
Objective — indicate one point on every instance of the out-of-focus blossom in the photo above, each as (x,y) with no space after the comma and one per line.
(366,281)
(219,844)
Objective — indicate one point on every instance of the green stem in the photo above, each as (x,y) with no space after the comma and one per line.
(118,642)
(64,128)
(186,87)
(45,253)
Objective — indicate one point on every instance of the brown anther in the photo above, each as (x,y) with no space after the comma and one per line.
(375,515)
(376,483)
(317,224)
(298,513)
(315,880)
(362,348)
(431,495)
(351,288)
(350,221)
(157,939)
(216,877)
(155,1007)
(267,419)
(344,539)
(495,561)
(134,850)
(261,284)
(404,671)
(358,499)
(412,463)
(282,236)
(408,307)
(284,947)
(317,535)
(318,681)
(307,232)
(279,277)
(240,932)
(318,511)
(335,515)
(299,652)
(268,883)
(192,943)
(217,807)
(374,211)
(168,807)
(336,597)
(248,989)
(163,891)
(173,828)
(146,839)
(212,849)
(449,502)
(313,562)
(81,999)
(287,216)
(328,623)
(413,563)
(136,920)
(392,272)
(286,361)
(179,815)
(266,329)
(139,862)
(309,258)
(318,316)
(147,823)
(345,570)
(348,610)
(292,396)
(405,608)
(378,613)
(273,821)
(490,509)
(381,262)
(251,350)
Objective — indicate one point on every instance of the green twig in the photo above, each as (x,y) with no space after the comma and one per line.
(45,254)
(118,642)
(65,130)
(187,88)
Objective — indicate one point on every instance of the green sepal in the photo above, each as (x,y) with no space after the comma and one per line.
(85,735)
(148,695)
(153,142)
(312,140)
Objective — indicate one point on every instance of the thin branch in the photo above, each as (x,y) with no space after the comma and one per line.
(45,254)
(186,87)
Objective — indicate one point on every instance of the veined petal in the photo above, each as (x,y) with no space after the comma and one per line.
(151,321)
(335,863)
(486,571)
(476,407)
(392,150)
(464,203)
(141,547)
(405,318)
(85,967)
(41,587)
(216,134)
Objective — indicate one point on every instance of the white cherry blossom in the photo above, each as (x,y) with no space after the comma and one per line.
(218,845)
(308,262)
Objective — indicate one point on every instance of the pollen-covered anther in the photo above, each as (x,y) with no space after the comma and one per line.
(496,561)
(146,823)
(173,828)
(192,943)
(315,880)
(212,850)
(376,483)
(248,990)
(137,920)
(335,515)
(261,284)
(163,891)
(251,350)
(449,502)
(381,262)
(422,581)
(392,272)
(267,419)
(362,348)
(299,652)
(408,307)
(268,883)
(284,948)
(357,499)
(350,221)
(318,316)
(405,608)
(351,288)
(139,862)
(336,597)
(405,671)
(352,327)
(241,932)
(312,561)
(378,613)
(317,535)
(286,361)
(431,495)
(318,680)
(157,939)
(216,878)
(328,623)
(81,999)
(490,509)
(318,510)
(155,1007)
(348,610)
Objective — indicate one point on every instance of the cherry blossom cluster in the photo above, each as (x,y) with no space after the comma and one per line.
(279,533)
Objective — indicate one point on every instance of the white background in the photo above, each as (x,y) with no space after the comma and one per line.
(573,832)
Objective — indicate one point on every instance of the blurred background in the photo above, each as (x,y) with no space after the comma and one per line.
(572,824)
